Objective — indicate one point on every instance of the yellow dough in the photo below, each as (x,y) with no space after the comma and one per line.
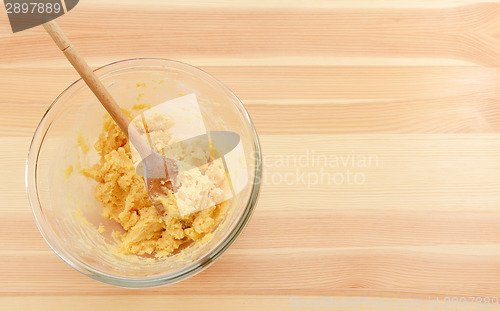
(124,199)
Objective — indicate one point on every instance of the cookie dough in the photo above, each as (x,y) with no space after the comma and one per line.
(124,199)
(201,182)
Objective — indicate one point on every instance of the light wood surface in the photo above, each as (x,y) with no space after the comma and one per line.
(412,85)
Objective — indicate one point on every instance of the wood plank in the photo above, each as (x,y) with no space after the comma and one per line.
(315,100)
(219,302)
(467,33)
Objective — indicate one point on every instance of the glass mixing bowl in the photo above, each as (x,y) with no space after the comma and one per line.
(66,212)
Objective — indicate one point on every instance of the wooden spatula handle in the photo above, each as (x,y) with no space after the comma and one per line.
(96,86)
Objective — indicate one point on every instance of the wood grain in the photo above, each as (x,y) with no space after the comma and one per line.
(413,85)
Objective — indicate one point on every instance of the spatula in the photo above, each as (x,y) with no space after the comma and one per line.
(159,171)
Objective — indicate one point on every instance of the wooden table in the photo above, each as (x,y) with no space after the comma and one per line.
(412,85)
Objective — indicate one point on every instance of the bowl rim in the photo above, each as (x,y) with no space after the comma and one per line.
(196,267)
